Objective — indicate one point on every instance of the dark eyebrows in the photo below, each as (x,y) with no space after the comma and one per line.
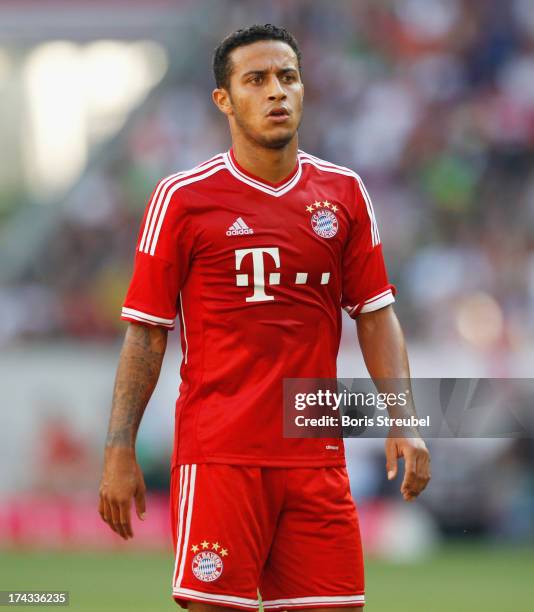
(263,72)
(254,73)
(286,70)
(290,69)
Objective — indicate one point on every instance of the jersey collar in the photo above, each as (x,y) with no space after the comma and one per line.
(273,189)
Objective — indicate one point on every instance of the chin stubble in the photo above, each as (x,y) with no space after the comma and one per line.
(273,143)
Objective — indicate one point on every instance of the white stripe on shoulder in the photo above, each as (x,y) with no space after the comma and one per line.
(370,211)
(302,154)
(325,166)
(163,185)
(181,182)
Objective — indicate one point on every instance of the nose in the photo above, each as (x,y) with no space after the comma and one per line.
(276,91)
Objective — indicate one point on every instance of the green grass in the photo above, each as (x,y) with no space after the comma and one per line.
(459,578)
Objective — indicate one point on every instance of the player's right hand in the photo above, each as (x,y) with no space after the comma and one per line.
(122,480)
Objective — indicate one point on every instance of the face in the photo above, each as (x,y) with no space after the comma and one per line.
(264,101)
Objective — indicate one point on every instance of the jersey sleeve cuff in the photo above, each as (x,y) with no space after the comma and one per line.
(375,302)
(138,316)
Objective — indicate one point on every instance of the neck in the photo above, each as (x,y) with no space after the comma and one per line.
(271,165)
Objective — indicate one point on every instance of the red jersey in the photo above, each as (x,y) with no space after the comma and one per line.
(258,273)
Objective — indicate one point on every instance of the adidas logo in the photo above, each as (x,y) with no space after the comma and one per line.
(239,228)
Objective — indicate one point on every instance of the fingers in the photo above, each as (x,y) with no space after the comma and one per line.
(125,521)
(117,489)
(140,505)
(417,472)
(409,483)
(117,516)
(423,468)
(391,459)
(118,527)
(107,514)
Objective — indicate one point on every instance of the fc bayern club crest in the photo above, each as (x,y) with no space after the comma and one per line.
(207,564)
(323,220)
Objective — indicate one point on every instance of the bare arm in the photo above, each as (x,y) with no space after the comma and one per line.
(137,374)
(384,352)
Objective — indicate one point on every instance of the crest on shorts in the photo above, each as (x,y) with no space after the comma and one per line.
(323,218)
(207,564)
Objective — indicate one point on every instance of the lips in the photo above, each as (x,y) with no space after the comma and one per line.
(278,115)
(279,112)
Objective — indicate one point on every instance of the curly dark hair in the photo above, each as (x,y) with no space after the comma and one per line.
(222,66)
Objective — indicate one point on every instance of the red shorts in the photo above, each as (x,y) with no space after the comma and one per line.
(290,533)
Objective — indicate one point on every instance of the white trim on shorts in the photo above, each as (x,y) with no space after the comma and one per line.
(315,601)
(229,600)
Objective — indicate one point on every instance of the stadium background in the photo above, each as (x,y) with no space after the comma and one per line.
(431,101)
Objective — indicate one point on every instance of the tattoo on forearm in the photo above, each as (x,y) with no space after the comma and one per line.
(137,375)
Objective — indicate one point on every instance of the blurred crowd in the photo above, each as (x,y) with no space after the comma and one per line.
(479,487)
(430,101)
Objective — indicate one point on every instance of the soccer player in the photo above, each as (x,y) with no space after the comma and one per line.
(256,251)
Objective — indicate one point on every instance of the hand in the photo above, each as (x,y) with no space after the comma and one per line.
(416,464)
(122,480)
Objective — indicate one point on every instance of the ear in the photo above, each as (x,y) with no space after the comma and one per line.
(222,100)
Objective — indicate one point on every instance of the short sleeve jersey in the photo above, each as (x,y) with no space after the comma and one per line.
(257,273)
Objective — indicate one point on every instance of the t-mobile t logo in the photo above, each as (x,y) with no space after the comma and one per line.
(242,280)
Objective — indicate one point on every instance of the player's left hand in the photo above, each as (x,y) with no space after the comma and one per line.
(416,464)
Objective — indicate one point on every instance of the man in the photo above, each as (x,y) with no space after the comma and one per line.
(253,249)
